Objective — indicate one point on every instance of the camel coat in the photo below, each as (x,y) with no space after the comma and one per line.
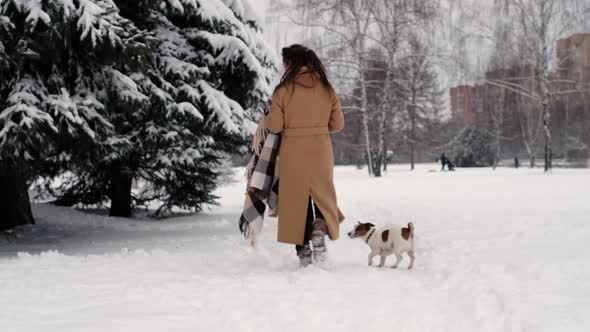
(305,113)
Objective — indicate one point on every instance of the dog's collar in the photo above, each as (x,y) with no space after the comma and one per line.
(369,237)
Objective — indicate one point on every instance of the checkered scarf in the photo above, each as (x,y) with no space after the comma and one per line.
(263,183)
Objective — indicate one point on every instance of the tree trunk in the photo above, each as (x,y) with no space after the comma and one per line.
(547,120)
(120,195)
(15,206)
(365,120)
(498,118)
(377,166)
(547,129)
(412,110)
(386,106)
(545,89)
(364,102)
(381,153)
(498,147)
(412,143)
(412,156)
(548,141)
(381,142)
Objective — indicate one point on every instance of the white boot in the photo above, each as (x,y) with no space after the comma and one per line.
(318,240)
(304,256)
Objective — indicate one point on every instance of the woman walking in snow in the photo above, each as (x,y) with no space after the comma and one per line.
(305,110)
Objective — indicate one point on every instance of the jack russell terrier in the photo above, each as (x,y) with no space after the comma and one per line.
(385,242)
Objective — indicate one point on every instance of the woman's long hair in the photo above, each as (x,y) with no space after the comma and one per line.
(296,57)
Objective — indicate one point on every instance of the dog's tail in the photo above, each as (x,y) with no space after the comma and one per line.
(411,228)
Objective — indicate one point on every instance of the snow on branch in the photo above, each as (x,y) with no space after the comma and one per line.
(228,113)
(176,54)
(33,9)
(99,21)
(75,113)
(125,87)
(243,9)
(232,50)
(24,113)
(188,108)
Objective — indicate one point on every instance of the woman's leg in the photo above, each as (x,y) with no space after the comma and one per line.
(318,235)
(308,229)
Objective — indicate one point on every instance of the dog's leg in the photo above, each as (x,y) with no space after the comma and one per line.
(398,259)
(412,258)
(382,262)
(371,256)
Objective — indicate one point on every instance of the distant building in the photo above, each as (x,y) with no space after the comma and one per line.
(473,104)
(462,105)
(496,101)
(572,103)
(573,55)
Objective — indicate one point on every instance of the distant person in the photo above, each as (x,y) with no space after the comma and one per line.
(446,162)
(516,162)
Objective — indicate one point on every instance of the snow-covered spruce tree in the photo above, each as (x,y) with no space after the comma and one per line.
(210,73)
(473,147)
(56,64)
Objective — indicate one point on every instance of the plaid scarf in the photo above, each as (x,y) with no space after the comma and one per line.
(263,183)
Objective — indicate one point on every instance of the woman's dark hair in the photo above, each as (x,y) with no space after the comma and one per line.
(296,57)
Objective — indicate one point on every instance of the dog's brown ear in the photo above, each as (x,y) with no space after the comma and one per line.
(370,224)
(364,227)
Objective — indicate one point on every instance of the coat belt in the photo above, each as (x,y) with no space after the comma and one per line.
(306,131)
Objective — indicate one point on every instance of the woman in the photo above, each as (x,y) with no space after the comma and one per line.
(305,110)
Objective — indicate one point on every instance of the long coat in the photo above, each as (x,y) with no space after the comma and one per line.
(305,113)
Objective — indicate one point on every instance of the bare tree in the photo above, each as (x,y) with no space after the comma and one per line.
(398,21)
(346,27)
(541,23)
(419,92)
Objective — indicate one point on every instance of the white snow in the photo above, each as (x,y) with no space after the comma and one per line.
(185,107)
(89,13)
(125,87)
(235,50)
(23,111)
(35,13)
(497,251)
(229,114)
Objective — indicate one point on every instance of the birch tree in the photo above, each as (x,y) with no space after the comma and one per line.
(347,26)
(500,61)
(399,23)
(541,24)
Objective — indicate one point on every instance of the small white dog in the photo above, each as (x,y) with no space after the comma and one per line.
(385,242)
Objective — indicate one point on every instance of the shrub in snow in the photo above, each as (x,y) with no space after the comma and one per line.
(577,153)
(473,147)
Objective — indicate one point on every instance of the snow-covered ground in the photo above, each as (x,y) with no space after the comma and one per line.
(497,251)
